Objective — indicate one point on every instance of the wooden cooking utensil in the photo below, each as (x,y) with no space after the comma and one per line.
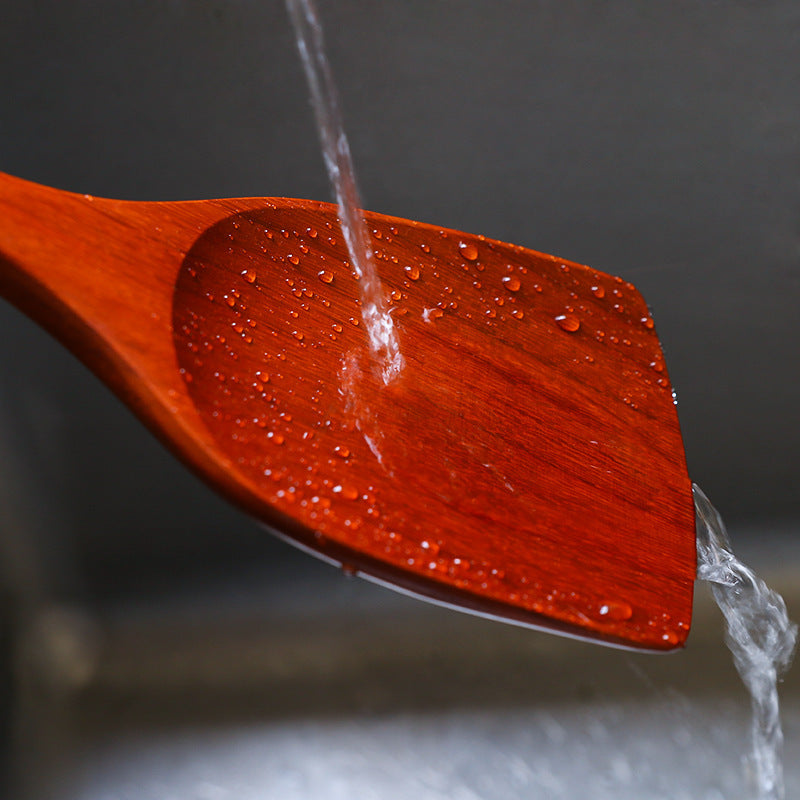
(527,464)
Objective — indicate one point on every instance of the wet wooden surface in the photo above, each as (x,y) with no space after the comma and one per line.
(527,462)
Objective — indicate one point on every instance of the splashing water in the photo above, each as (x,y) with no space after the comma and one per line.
(758,633)
(336,152)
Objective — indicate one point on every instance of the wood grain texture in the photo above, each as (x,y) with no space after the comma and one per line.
(527,464)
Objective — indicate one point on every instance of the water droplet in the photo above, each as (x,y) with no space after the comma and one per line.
(412,272)
(326,276)
(342,452)
(615,610)
(294,259)
(426,248)
(511,282)
(598,291)
(468,251)
(517,313)
(347,492)
(648,322)
(277,438)
(312,232)
(249,275)
(430,314)
(298,335)
(231,301)
(396,295)
(568,322)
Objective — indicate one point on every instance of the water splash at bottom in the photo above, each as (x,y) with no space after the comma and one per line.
(760,636)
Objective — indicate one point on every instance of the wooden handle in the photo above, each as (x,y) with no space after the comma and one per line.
(85,268)
(99,275)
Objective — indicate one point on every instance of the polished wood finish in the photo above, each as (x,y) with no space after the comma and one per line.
(527,463)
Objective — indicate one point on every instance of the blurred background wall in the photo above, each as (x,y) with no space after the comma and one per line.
(657,141)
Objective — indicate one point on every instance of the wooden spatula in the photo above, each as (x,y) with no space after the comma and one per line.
(527,463)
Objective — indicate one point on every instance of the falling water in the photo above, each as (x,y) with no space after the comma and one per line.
(760,636)
(336,152)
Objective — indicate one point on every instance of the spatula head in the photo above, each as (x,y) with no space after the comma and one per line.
(526,464)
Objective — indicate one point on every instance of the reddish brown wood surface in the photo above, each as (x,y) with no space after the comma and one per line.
(526,464)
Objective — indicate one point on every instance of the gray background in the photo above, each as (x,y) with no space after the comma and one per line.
(658,141)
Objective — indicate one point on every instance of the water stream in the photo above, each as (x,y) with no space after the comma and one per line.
(760,636)
(336,152)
